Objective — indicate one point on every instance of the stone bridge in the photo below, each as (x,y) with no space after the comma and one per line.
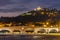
(22,30)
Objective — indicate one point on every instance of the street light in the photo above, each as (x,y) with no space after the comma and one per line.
(22,28)
(51,26)
(45,25)
(33,25)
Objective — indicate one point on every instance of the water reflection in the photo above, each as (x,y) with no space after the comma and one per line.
(25,37)
(34,37)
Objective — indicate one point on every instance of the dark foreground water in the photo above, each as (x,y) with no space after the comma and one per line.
(25,37)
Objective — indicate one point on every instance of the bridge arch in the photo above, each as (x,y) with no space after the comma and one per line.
(42,30)
(6,29)
(53,30)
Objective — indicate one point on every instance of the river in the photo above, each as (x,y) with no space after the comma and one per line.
(26,37)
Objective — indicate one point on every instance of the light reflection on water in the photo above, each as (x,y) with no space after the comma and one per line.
(29,37)
(37,37)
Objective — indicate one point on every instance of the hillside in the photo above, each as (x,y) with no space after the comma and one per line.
(44,15)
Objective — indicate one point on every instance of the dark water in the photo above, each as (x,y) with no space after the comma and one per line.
(25,37)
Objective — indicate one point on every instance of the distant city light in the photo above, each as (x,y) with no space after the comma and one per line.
(38,8)
(45,25)
(34,9)
(51,26)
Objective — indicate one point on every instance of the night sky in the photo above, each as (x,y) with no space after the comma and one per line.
(16,7)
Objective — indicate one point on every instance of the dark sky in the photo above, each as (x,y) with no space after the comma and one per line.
(15,7)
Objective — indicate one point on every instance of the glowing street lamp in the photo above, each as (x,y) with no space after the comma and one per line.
(45,25)
(33,25)
(22,28)
(51,26)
